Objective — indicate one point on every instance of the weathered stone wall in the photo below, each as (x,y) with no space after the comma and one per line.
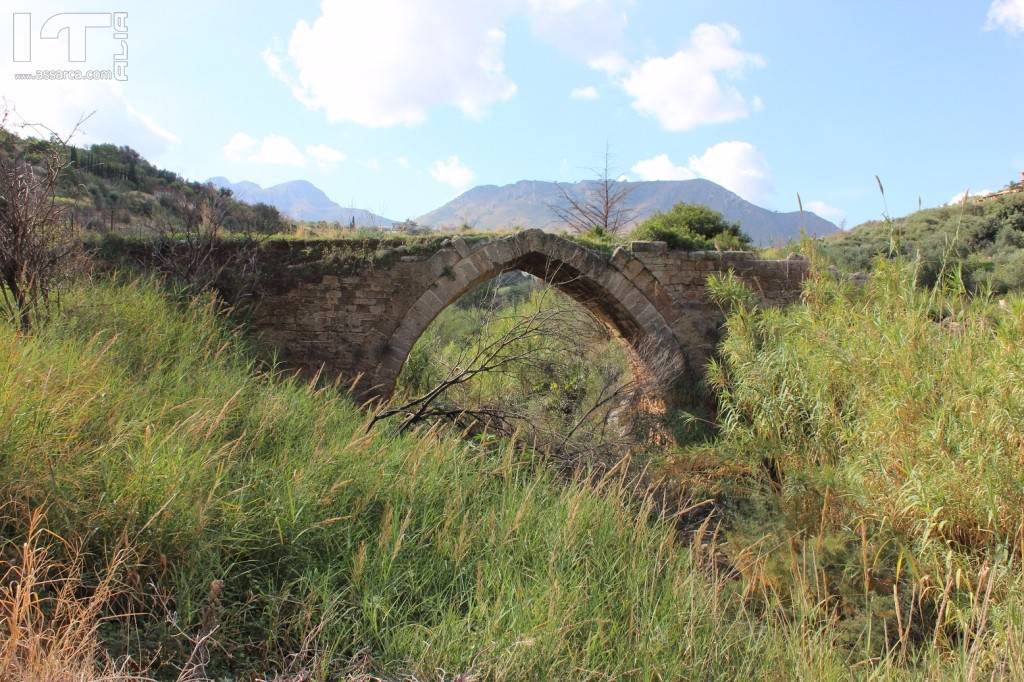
(684,274)
(356,318)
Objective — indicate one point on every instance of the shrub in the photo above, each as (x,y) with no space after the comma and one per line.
(691,227)
(982,236)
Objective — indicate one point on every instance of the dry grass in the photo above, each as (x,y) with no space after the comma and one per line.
(51,611)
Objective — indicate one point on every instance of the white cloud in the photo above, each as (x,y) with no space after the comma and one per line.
(280,151)
(826,211)
(452,172)
(957,199)
(274,150)
(387,62)
(239,147)
(403,161)
(1007,15)
(274,64)
(60,104)
(737,166)
(690,88)
(585,92)
(324,156)
(661,167)
(390,62)
(612,63)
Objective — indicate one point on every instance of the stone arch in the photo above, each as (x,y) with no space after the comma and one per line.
(619,291)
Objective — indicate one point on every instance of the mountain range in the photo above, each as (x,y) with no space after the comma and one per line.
(300,200)
(527,203)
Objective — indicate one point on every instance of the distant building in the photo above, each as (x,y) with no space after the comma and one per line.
(1012,188)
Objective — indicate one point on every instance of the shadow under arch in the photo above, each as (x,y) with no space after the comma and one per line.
(593,281)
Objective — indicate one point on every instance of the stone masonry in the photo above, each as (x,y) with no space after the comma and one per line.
(358,323)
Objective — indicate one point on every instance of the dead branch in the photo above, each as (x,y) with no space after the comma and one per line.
(601,208)
(40,245)
(593,425)
(197,254)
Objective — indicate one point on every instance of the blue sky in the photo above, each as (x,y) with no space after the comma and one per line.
(399,105)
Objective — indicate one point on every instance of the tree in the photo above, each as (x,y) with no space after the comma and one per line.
(692,227)
(601,210)
(40,247)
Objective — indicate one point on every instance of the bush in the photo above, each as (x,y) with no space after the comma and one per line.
(691,228)
(981,236)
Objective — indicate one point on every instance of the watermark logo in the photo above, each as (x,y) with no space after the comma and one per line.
(95,39)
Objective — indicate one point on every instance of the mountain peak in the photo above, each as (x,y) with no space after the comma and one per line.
(300,200)
(527,203)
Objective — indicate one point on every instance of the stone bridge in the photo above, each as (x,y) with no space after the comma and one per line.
(358,319)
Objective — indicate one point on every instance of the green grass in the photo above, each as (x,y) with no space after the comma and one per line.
(885,546)
(907,402)
(132,417)
(882,432)
(571,366)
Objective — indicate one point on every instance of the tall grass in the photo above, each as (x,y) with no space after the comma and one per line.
(215,520)
(50,626)
(884,426)
(130,418)
(908,402)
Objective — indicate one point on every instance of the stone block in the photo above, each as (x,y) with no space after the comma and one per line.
(461,246)
(364,321)
(648,247)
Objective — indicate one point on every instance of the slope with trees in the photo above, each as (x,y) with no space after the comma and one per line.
(983,236)
(106,188)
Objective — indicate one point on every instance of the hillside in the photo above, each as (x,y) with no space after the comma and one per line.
(985,236)
(300,200)
(107,188)
(526,203)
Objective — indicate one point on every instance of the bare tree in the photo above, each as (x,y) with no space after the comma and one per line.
(602,208)
(197,255)
(40,245)
(522,342)
(188,253)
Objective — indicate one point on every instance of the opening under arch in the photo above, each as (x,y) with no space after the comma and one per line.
(586,277)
